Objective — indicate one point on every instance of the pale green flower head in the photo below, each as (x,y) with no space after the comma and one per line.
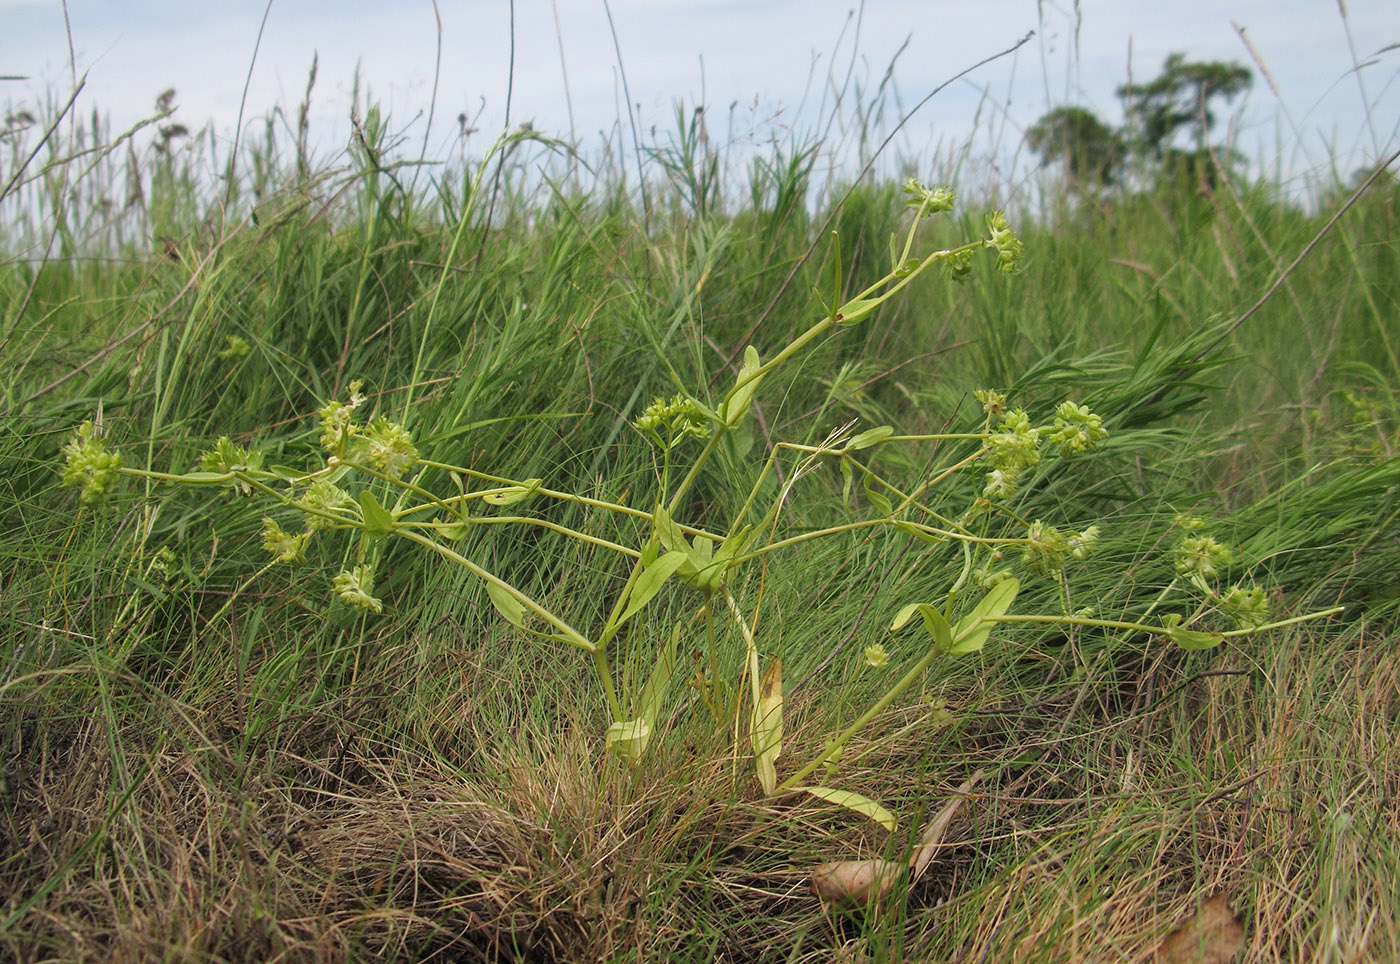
(355,587)
(1045,552)
(87,462)
(938,198)
(1016,445)
(226,457)
(285,546)
(387,447)
(235,346)
(679,416)
(1202,556)
(1001,485)
(324,496)
(957,266)
(993,401)
(1009,247)
(1076,430)
(1082,545)
(876,657)
(338,421)
(1249,608)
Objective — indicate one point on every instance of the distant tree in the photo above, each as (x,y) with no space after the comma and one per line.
(1178,99)
(1091,151)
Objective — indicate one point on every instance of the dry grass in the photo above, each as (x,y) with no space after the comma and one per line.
(1273,782)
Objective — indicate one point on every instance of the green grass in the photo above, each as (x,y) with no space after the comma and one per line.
(194,774)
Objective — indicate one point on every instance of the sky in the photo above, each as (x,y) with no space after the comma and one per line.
(760,68)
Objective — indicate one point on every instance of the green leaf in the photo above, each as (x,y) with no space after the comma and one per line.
(654,693)
(649,583)
(902,618)
(507,605)
(905,526)
(937,626)
(629,739)
(854,801)
(847,477)
(378,521)
(974,628)
(869,437)
(875,497)
(513,494)
(287,473)
(934,623)
(1190,639)
(856,310)
(733,411)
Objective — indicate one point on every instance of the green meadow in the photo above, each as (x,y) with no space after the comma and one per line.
(548,557)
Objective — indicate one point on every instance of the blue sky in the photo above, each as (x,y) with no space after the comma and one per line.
(770,60)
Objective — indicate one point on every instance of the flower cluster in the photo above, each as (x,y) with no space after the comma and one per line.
(323,497)
(338,420)
(226,458)
(285,546)
(679,416)
(1202,557)
(355,587)
(1076,430)
(88,463)
(1048,549)
(937,199)
(1249,608)
(1015,445)
(386,447)
(876,656)
(1009,247)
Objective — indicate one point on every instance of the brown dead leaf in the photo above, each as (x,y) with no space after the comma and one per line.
(1214,936)
(851,883)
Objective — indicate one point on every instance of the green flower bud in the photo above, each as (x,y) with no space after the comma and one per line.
(88,463)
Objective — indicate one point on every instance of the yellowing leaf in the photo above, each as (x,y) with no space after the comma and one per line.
(857,803)
(766,731)
(514,493)
(629,739)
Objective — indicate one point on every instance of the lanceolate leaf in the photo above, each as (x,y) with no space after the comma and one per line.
(654,693)
(513,494)
(869,437)
(766,732)
(650,582)
(974,628)
(854,801)
(738,405)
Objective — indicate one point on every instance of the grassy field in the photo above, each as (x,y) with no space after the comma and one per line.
(209,757)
